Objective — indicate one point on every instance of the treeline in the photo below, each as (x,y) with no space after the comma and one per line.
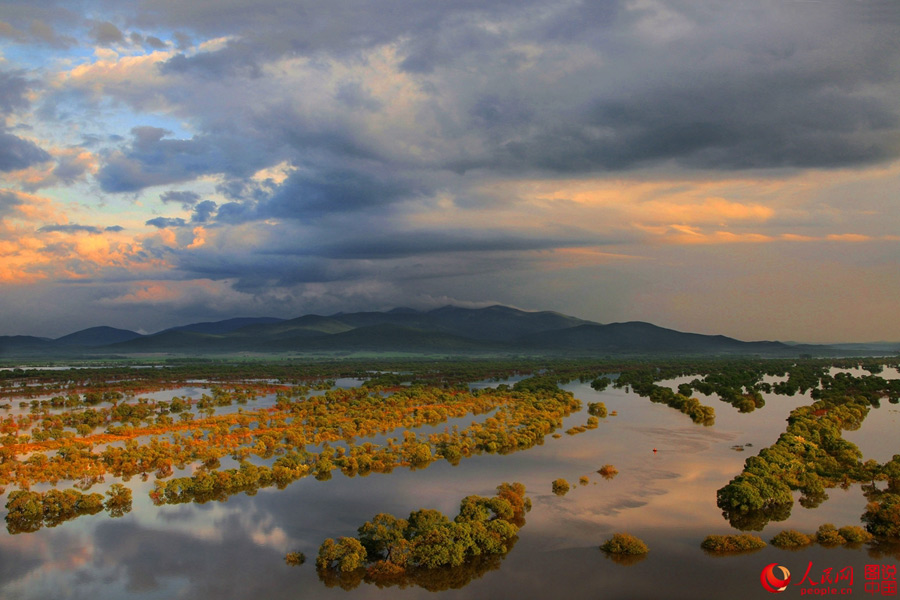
(30,511)
(642,383)
(810,456)
(520,421)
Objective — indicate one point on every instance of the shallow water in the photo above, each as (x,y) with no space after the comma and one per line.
(235,549)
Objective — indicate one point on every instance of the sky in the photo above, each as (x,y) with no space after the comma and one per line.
(709,166)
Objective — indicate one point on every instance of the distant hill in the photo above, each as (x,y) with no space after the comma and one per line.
(226,326)
(645,338)
(18,345)
(383,337)
(447,330)
(97,336)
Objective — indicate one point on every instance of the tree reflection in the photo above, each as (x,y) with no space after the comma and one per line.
(433,580)
(625,560)
(756,520)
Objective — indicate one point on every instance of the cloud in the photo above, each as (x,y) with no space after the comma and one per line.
(38,31)
(154,42)
(17,153)
(204,211)
(105,33)
(561,149)
(186,199)
(71,165)
(70,228)
(163,222)
(13,89)
(150,160)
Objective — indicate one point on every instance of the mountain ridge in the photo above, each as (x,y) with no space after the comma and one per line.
(444,330)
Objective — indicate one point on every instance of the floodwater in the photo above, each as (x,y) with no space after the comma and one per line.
(235,549)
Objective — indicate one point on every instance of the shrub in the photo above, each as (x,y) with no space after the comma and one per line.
(732,543)
(855,535)
(295,558)
(597,409)
(608,471)
(828,535)
(791,539)
(624,543)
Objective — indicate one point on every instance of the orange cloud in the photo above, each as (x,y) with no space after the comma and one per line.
(28,255)
(710,210)
(848,237)
(683,234)
(112,71)
(174,293)
(30,207)
(199,237)
(70,164)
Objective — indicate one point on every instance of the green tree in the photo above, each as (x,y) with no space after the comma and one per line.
(347,554)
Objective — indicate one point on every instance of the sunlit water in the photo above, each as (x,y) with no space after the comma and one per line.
(235,549)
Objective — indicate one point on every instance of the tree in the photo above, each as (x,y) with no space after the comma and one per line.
(384,537)
(345,555)
(882,516)
(118,501)
(560,487)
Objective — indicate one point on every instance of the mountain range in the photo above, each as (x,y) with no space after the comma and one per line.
(450,330)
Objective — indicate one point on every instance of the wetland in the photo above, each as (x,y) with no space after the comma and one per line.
(209,479)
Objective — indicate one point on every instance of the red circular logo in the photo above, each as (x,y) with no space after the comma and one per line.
(775,578)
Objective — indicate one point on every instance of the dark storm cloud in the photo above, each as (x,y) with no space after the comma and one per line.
(723,123)
(17,153)
(278,27)
(607,86)
(347,250)
(384,245)
(310,195)
(151,160)
(235,59)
